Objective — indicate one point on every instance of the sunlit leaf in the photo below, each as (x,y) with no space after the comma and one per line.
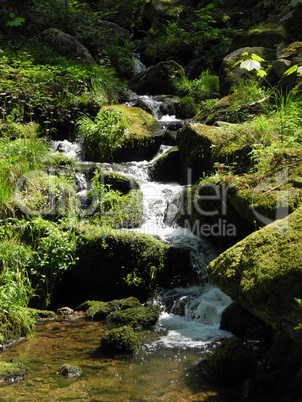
(291,70)
(250,65)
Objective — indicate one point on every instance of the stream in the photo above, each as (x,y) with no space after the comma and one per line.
(188,328)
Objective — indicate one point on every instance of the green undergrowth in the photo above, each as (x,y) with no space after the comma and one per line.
(52,95)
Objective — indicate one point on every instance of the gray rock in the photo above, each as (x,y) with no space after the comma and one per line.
(64,44)
(291,19)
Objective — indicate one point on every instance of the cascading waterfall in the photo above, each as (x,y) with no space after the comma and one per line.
(191,316)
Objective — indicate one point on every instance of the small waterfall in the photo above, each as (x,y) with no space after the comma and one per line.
(138,66)
(191,316)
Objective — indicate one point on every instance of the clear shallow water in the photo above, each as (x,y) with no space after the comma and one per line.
(156,373)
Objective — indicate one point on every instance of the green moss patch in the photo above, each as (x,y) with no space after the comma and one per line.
(263,272)
(11,372)
(136,317)
(120,341)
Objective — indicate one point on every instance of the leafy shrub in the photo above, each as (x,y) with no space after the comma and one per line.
(51,95)
(103,135)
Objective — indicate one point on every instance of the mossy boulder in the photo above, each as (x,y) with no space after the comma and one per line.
(232,363)
(118,264)
(62,43)
(70,370)
(263,273)
(42,193)
(14,326)
(195,142)
(11,372)
(99,310)
(230,75)
(136,317)
(140,140)
(267,38)
(119,341)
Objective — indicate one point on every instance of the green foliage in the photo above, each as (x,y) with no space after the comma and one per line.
(54,247)
(103,135)
(206,86)
(115,208)
(251,62)
(16,159)
(51,95)
(203,26)
(299,301)
(14,21)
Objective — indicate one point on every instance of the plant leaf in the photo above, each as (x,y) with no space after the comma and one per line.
(250,65)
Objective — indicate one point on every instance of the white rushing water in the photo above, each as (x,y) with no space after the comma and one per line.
(191,316)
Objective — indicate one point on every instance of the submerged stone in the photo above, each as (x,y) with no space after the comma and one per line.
(70,371)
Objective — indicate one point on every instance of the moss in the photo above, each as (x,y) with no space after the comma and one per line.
(137,317)
(99,310)
(263,272)
(116,264)
(36,313)
(11,372)
(14,325)
(45,194)
(130,302)
(69,370)
(120,341)
(125,211)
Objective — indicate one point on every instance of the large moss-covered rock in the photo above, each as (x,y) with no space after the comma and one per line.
(136,317)
(119,341)
(140,139)
(263,273)
(195,142)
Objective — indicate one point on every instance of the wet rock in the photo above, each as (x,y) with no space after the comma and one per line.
(65,311)
(232,363)
(263,273)
(11,372)
(166,168)
(68,370)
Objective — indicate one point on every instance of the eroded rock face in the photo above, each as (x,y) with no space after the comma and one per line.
(291,19)
(64,44)
(263,273)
